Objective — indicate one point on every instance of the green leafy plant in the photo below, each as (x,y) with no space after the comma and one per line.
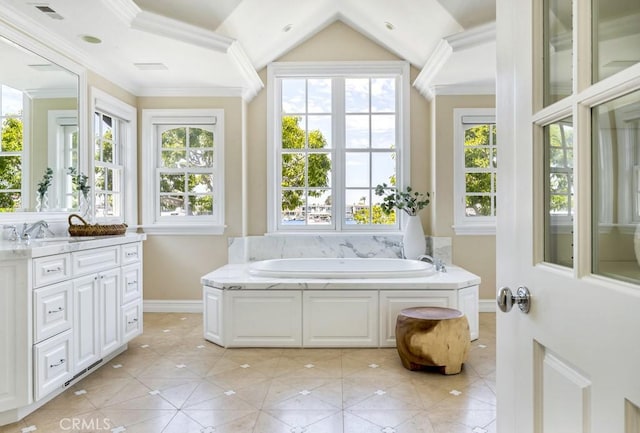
(45,183)
(79,181)
(409,200)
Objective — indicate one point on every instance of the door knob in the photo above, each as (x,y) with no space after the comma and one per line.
(506,299)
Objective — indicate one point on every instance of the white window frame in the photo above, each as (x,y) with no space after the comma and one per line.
(152,223)
(347,69)
(110,105)
(464,225)
(25,186)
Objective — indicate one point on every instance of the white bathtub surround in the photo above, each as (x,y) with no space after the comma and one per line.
(414,243)
(254,248)
(242,310)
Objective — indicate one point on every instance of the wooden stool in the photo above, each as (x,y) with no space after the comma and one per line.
(433,336)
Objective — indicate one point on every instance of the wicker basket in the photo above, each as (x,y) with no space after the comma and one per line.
(86,229)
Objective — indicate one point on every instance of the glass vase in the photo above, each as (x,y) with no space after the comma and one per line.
(42,202)
(85,208)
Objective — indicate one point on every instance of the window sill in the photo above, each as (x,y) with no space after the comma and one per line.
(177,229)
(475,230)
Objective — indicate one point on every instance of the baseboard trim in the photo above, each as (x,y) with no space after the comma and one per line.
(171,306)
(487,305)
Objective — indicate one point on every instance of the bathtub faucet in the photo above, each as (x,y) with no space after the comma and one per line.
(437,263)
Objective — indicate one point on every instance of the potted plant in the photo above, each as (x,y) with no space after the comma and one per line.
(411,202)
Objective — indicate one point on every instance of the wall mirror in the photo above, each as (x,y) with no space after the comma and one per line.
(40,102)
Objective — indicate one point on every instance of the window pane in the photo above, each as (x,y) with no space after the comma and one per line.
(293,96)
(319,132)
(319,169)
(357,169)
(172,205)
(12,135)
(319,96)
(478,182)
(357,131)
(383,95)
(478,205)
(200,183)
(293,132)
(558,194)
(356,95)
(616,30)
(171,182)
(10,201)
(476,157)
(319,211)
(558,44)
(383,131)
(383,168)
(293,170)
(174,138)
(477,136)
(200,205)
(173,158)
(11,102)
(199,137)
(293,207)
(616,188)
(200,158)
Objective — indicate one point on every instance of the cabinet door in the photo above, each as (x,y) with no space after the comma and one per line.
(52,363)
(468,303)
(108,283)
(262,318)
(393,301)
(52,310)
(131,321)
(86,298)
(131,289)
(340,318)
(213,316)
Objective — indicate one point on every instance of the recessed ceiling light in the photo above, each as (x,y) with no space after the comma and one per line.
(91,39)
(287,28)
(389,26)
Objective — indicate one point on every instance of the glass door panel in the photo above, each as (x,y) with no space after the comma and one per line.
(616,36)
(558,50)
(616,188)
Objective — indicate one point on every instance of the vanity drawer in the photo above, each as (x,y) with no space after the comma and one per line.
(99,259)
(52,310)
(53,366)
(131,253)
(51,269)
(131,283)
(131,321)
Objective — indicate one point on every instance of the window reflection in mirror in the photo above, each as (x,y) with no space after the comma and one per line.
(616,188)
(559,192)
(39,119)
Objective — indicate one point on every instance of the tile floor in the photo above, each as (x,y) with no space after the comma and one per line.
(172,381)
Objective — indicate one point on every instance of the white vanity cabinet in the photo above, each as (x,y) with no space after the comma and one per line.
(64,310)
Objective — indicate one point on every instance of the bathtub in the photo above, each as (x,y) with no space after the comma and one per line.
(341,268)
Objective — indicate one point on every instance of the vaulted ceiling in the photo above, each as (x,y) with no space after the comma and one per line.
(165,47)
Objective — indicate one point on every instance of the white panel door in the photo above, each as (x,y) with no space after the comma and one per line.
(86,298)
(571,364)
(109,284)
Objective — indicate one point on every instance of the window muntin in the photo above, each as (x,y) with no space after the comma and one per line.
(108,165)
(338,137)
(11,149)
(476,167)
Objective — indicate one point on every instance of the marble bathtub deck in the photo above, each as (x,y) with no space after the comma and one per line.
(172,381)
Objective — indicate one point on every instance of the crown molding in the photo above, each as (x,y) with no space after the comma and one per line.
(178,30)
(192,92)
(435,62)
(464,89)
(473,37)
(51,93)
(254,83)
(125,10)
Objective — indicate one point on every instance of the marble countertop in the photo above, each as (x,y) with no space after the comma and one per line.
(58,245)
(236,276)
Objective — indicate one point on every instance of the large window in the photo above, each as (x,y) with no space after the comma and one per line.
(338,131)
(476,165)
(11,149)
(184,171)
(114,165)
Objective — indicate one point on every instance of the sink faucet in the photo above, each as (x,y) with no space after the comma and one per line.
(437,263)
(39,227)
